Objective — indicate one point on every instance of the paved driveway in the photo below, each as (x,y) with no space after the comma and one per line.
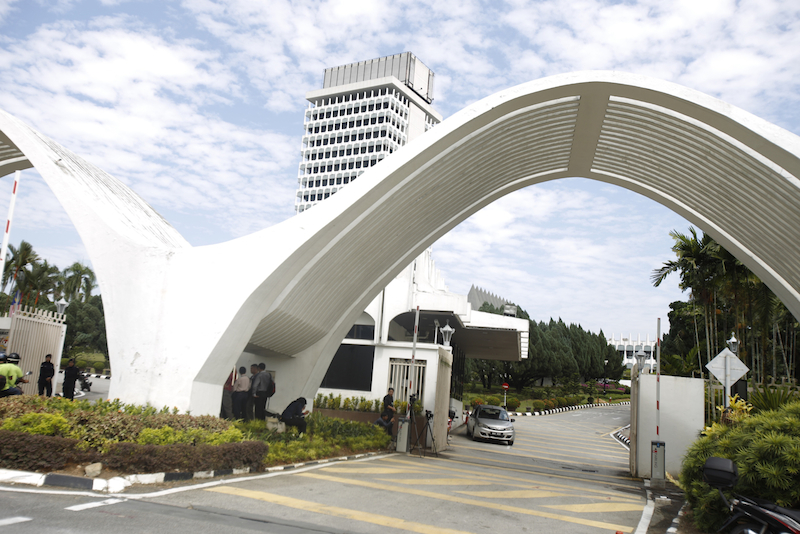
(564,474)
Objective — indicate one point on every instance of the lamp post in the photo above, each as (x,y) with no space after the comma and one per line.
(733,345)
(447,333)
(640,359)
(61,306)
(605,376)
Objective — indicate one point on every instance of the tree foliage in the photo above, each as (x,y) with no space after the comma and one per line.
(555,351)
(724,297)
(41,285)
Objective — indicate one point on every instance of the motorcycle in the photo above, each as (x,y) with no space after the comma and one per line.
(86,385)
(749,516)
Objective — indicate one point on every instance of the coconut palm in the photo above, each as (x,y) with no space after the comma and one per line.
(40,282)
(20,258)
(79,280)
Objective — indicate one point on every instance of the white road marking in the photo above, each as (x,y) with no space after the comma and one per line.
(79,507)
(13,520)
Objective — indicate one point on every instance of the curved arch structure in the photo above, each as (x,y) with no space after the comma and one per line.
(729,172)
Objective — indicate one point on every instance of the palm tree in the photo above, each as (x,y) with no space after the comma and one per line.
(696,266)
(41,281)
(79,280)
(20,258)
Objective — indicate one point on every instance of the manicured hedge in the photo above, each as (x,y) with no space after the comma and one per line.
(36,452)
(136,458)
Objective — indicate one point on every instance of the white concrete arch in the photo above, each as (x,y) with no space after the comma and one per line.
(732,174)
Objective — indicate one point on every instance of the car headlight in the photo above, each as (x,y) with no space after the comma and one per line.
(482,425)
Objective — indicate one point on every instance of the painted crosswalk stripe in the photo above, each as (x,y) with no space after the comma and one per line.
(86,506)
(13,520)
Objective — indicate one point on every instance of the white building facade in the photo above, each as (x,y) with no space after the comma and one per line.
(365,112)
(627,347)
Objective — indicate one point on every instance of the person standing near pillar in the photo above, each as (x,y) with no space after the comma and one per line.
(241,390)
(70,377)
(226,411)
(250,406)
(261,388)
(46,373)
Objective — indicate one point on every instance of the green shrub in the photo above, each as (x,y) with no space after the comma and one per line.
(493,400)
(538,405)
(320,401)
(765,447)
(167,435)
(44,424)
(137,458)
(477,401)
(512,403)
(36,452)
(771,398)
(549,404)
(562,402)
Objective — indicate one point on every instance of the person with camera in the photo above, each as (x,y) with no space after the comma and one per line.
(294,414)
(386,422)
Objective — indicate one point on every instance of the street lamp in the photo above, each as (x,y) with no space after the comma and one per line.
(605,376)
(640,358)
(61,306)
(447,333)
(733,344)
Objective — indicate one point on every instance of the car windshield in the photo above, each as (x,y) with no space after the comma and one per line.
(489,413)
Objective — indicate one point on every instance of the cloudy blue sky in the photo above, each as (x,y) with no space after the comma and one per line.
(197,105)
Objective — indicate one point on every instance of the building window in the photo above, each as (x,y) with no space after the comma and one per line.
(351,368)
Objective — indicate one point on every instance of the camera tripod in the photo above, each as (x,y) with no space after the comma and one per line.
(428,417)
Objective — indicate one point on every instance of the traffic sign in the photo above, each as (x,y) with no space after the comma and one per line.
(505,385)
(727,368)
(736,370)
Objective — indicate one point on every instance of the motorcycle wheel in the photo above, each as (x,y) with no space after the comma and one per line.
(746,528)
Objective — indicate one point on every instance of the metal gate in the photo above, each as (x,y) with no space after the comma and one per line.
(35,333)
(399,375)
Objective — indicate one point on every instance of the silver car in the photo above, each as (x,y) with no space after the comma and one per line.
(490,422)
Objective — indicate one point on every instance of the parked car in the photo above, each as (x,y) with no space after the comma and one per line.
(490,422)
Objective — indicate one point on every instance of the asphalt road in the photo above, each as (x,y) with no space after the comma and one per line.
(565,474)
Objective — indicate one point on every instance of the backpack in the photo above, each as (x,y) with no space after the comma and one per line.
(270,386)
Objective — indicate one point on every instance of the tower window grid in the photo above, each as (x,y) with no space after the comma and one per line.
(345,135)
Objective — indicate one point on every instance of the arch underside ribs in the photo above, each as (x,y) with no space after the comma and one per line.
(732,174)
(745,200)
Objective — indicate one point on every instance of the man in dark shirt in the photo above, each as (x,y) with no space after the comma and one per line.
(294,414)
(386,421)
(261,388)
(46,373)
(388,403)
(70,377)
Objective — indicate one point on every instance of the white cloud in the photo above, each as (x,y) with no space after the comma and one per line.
(198,105)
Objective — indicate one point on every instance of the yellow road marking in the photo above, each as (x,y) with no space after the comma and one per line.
(337,511)
(440,481)
(595,507)
(470,502)
(538,448)
(544,467)
(589,461)
(498,476)
(513,494)
(376,470)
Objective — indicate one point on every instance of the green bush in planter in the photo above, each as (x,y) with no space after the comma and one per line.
(538,405)
(494,400)
(766,449)
(512,403)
